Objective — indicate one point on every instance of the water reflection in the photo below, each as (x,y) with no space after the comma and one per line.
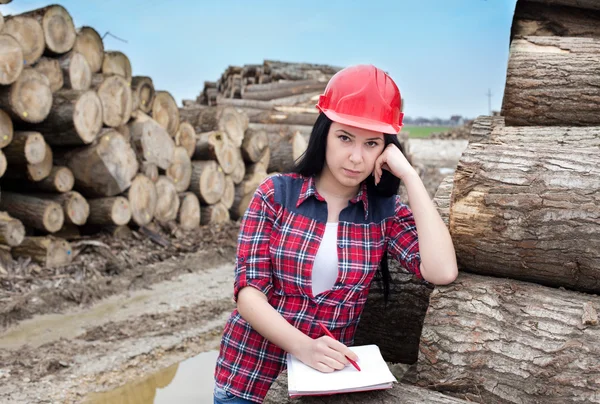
(190,381)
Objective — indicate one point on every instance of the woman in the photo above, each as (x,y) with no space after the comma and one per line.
(312,240)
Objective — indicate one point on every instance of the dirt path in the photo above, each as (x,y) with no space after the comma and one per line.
(63,357)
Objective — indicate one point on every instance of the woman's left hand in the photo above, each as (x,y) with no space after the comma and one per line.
(393,161)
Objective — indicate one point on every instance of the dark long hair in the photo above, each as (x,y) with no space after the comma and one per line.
(312,161)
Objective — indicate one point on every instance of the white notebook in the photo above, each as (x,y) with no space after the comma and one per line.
(374,375)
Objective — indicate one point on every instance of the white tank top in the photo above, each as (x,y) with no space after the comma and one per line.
(325,268)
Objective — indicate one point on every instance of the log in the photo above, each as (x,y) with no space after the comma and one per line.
(244,192)
(399,393)
(482,127)
(142,88)
(441,199)
(3,164)
(34,212)
(124,131)
(213,214)
(75,118)
(285,149)
(116,62)
(57,26)
(11,59)
(536,19)
(207,182)
(6,129)
(117,101)
(104,168)
(40,171)
(180,170)
(223,119)
(26,148)
(278,128)
(239,171)
(152,142)
(75,206)
(564,95)
(529,212)
(1,21)
(50,252)
(59,180)
(274,117)
(109,211)
(150,170)
(186,138)
(216,146)
(270,104)
(12,231)
(143,198)
(228,193)
(283,92)
(584,4)
(50,68)
(254,145)
(29,34)
(29,98)
(281,85)
(494,340)
(165,111)
(90,45)
(76,71)
(189,211)
(167,202)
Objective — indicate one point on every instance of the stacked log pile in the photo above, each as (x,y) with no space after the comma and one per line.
(520,324)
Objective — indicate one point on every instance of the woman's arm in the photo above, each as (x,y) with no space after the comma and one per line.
(438,258)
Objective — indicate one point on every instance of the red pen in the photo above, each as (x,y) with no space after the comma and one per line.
(326,331)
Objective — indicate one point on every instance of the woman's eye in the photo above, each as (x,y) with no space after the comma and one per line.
(344,138)
(372,144)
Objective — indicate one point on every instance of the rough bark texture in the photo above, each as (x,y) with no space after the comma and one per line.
(551,81)
(208,181)
(50,252)
(217,146)
(294,88)
(494,341)
(90,45)
(189,211)
(28,99)
(57,26)
(165,111)
(186,138)
(151,141)
(75,206)
(254,145)
(12,231)
(26,148)
(76,71)
(117,101)
(180,170)
(116,62)
(285,149)
(283,118)
(529,212)
(214,214)
(59,180)
(104,168)
(30,36)
(50,68)
(167,202)
(109,211)
(33,212)
(142,199)
(441,200)
(142,88)
(482,127)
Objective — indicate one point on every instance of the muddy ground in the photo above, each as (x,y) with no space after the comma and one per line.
(127,307)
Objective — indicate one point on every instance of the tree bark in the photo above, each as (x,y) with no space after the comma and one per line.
(285,149)
(207,182)
(50,252)
(57,26)
(104,168)
(180,170)
(442,198)
(109,211)
(33,212)
(75,206)
(282,118)
(50,68)
(167,202)
(213,214)
(152,142)
(29,98)
(216,146)
(165,112)
(228,193)
(59,180)
(143,198)
(270,104)
(254,145)
(30,36)
(496,341)
(186,138)
(118,63)
(26,148)
(142,88)
(562,95)
(6,129)
(244,192)
(12,231)
(75,118)
(224,119)
(528,212)
(90,45)
(189,211)
(294,88)
(76,71)
(117,101)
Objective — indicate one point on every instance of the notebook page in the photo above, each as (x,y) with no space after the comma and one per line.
(303,378)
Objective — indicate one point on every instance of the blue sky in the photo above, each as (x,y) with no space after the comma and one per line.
(443,54)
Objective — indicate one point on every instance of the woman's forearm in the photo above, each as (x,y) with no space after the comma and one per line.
(438,258)
(254,307)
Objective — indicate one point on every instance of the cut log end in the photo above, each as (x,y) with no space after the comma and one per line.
(6,129)
(76,208)
(78,72)
(59,31)
(208,181)
(30,97)
(117,100)
(12,231)
(87,116)
(143,93)
(30,36)
(118,63)
(142,197)
(50,68)
(180,171)
(53,218)
(11,59)
(49,251)
(167,203)
(228,192)
(109,211)
(214,214)
(166,112)
(60,180)
(186,138)
(189,211)
(39,171)
(90,45)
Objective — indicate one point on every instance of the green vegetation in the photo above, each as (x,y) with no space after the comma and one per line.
(423,131)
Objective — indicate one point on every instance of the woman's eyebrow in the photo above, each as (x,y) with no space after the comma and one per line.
(351,135)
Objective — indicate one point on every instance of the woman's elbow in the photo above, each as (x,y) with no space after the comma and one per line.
(442,276)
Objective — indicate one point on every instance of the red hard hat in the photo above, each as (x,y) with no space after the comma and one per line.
(363,96)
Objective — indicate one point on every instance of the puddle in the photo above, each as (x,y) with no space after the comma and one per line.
(190,381)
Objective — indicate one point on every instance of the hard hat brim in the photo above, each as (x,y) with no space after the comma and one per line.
(362,123)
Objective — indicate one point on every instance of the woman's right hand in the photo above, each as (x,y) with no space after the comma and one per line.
(325,354)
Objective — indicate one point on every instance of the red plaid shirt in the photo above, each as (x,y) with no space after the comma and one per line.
(279,237)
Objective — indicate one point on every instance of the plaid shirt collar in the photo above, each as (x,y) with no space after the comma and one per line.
(309,189)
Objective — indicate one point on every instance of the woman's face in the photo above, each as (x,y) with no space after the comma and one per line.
(351,153)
